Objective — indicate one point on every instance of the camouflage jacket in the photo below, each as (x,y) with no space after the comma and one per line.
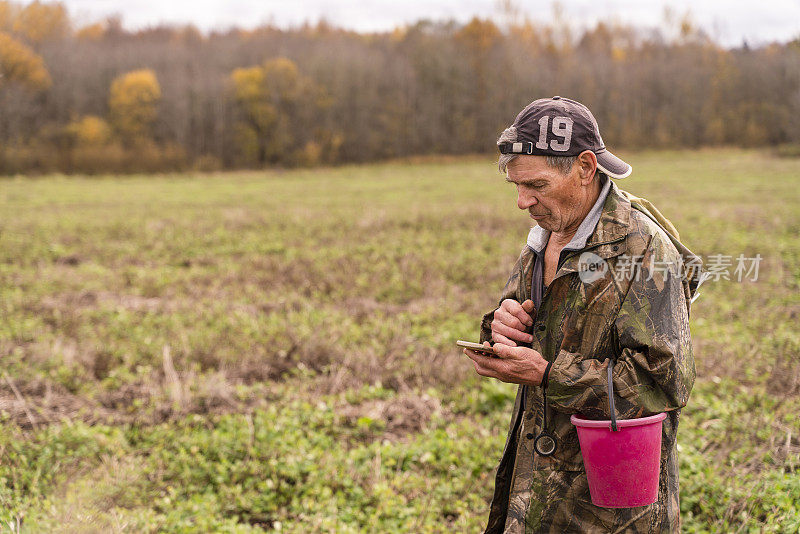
(636,314)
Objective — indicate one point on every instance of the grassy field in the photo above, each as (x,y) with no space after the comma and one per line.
(273,351)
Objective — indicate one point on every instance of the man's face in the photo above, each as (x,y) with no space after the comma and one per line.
(553,200)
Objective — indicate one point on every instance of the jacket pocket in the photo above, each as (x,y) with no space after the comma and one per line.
(567,454)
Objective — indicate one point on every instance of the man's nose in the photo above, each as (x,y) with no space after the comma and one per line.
(525,201)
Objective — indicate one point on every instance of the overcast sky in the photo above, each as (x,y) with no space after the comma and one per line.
(729,21)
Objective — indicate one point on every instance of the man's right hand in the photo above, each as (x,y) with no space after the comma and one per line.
(510,321)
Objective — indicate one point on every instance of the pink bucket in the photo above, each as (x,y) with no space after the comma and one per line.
(621,457)
(622,466)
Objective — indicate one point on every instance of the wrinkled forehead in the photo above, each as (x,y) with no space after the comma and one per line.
(526,168)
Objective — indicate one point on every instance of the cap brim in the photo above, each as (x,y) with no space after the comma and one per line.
(612,165)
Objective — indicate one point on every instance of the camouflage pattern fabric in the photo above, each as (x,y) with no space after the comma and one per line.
(636,314)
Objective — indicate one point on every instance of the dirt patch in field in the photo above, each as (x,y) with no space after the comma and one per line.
(408,413)
(394,368)
(34,403)
(76,302)
(171,393)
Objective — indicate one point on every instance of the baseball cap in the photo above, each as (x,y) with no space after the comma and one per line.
(559,126)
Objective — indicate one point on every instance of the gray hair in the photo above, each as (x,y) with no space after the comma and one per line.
(562,164)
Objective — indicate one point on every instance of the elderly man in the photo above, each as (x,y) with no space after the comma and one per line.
(601,281)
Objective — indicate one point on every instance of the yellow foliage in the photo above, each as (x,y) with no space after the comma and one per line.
(18,63)
(265,95)
(132,103)
(277,81)
(116,158)
(479,35)
(275,103)
(282,79)
(311,154)
(399,34)
(90,131)
(250,94)
(187,34)
(248,84)
(93,32)
(527,36)
(8,12)
(40,22)
(687,28)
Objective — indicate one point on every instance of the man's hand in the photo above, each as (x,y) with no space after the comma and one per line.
(510,321)
(517,365)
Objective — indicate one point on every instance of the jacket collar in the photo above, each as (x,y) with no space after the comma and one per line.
(614,219)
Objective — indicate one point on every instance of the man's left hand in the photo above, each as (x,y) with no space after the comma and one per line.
(517,365)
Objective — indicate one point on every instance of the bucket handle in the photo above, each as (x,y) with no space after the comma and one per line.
(611,395)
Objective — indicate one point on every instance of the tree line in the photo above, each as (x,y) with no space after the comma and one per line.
(100,98)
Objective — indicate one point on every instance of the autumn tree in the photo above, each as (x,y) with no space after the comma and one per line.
(92,32)
(8,13)
(90,131)
(276,106)
(479,39)
(39,22)
(132,104)
(20,64)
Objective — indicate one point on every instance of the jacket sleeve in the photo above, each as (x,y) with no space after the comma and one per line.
(654,368)
(509,292)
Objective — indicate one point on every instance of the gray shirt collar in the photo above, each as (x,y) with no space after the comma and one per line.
(538,236)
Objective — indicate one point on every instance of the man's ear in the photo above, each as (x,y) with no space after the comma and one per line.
(587,166)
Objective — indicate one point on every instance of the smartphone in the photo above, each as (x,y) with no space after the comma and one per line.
(477,347)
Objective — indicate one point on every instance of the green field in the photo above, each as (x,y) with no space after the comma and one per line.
(260,351)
